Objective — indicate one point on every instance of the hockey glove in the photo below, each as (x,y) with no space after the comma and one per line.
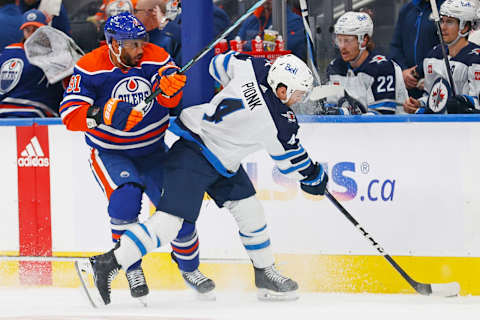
(316,183)
(347,106)
(460,104)
(170,81)
(116,113)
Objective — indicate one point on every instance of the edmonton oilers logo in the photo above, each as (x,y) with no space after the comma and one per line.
(10,74)
(133,90)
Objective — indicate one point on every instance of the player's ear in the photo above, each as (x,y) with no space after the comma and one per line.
(281,92)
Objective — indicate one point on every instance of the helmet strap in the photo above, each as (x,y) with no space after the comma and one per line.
(117,55)
(360,48)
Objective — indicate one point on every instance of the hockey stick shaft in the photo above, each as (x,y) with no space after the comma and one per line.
(436,17)
(310,39)
(204,51)
(447,289)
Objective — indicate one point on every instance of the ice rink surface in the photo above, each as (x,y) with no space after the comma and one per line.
(71,304)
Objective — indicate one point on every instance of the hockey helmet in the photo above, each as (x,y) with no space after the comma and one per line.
(124,26)
(172,9)
(291,72)
(116,7)
(354,23)
(463,10)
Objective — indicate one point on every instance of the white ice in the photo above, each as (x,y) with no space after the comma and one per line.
(55,304)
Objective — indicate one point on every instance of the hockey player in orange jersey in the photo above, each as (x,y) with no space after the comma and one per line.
(127,145)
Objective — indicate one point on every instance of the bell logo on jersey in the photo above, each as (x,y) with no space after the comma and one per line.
(477,75)
(430,69)
(10,74)
(32,155)
(133,90)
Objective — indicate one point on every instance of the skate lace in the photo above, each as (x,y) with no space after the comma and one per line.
(136,278)
(273,274)
(195,277)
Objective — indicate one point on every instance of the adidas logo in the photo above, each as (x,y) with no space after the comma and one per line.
(33,155)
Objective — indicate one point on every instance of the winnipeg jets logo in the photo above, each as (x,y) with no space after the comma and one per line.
(438,96)
(378,59)
(475,51)
(290,116)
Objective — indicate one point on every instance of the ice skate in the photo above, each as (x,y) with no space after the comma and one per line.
(138,284)
(273,285)
(202,285)
(105,267)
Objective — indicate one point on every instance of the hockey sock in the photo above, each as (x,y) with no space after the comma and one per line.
(253,230)
(186,248)
(142,238)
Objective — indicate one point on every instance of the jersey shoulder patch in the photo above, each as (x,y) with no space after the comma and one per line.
(95,61)
(10,74)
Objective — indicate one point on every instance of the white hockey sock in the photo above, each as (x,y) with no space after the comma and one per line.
(253,230)
(141,238)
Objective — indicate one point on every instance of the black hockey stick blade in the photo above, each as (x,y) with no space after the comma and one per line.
(450,289)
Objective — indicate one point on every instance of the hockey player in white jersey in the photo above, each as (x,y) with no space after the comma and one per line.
(373,83)
(456,20)
(251,113)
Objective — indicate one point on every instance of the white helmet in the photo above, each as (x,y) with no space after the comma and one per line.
(354,23)
(118,6)
(292,72)
(463,10)
(172,9)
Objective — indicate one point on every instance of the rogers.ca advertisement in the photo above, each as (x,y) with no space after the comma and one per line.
(34,201)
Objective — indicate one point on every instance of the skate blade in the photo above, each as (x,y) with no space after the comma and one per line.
(207,296)
(269,295)
(143,301)
(84,269)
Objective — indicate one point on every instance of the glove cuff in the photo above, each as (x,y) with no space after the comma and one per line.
(94,117)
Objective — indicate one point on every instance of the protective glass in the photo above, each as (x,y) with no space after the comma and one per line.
(134,43)
(298,96)
(345,40)
(450,22)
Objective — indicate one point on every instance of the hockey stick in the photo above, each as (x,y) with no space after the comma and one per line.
(141,106)
(450,289)
(310,43)
(436,17)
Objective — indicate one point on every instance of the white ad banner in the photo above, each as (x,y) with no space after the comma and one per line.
(412,186)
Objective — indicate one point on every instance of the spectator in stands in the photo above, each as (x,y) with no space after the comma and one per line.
(372,82)
(413,38)
(24,89)
(262,19)
(59,21)
(11,18)
(158,17)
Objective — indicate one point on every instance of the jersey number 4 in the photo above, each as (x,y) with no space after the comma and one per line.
(224,108)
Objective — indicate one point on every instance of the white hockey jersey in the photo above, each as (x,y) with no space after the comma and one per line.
(244,117)
(465,71)
(377,83)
